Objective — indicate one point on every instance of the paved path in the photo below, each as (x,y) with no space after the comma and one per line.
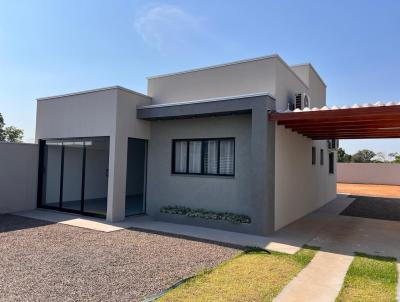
(288,241)
(320,281)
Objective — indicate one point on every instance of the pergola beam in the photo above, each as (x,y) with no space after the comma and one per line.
(354,123)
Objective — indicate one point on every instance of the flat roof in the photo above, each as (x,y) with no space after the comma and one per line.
(357,122)
(91,91)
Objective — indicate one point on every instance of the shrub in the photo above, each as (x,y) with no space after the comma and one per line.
(206,214)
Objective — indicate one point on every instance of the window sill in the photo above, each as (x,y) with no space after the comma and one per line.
(204,175)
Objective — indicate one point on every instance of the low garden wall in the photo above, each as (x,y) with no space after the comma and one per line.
(18,176)
(369,173)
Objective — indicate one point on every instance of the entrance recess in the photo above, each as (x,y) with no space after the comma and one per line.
(136,177)
(74,175)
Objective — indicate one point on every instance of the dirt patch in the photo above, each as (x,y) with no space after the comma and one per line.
(369,190)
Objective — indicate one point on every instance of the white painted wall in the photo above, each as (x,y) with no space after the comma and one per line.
(369,173)
(18,177)
(287,85)
(105,112)
(300,187)
(249,77)
(79,115)
(316,87)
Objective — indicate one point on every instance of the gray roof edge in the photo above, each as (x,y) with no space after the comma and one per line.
(243,96)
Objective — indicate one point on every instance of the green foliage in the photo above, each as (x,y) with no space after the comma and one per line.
(202,213)
(396,157)
(370,278)
(10,134)
(342,156)
(363,156)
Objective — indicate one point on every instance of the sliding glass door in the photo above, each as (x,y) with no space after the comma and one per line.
(75,175)
(51,167)
(96,176)
(72,175)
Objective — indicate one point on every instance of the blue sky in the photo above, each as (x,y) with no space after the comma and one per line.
(54,47)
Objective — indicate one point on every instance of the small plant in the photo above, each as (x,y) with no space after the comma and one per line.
(207,214)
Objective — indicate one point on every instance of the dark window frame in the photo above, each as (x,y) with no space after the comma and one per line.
(321,157)
(202,140)
(331,163)
(313,156)
(40,193)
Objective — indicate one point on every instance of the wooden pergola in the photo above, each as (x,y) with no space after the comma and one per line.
(372,121)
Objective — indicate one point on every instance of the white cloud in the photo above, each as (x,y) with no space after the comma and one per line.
(167,27)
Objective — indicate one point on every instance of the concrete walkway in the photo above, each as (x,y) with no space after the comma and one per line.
(284,242)
(324,228)
(320,281)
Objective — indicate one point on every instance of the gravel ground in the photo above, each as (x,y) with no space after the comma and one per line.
(40,261)
(374,207)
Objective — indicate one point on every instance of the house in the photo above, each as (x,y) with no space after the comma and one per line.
(200,139)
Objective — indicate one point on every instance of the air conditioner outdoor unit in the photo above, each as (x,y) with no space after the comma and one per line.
(301,101)
(333,144)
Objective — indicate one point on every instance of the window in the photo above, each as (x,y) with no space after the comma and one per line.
(313,155)
(204,156)
(331,163)
(321,159)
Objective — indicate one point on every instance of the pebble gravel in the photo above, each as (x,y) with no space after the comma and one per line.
(41,261)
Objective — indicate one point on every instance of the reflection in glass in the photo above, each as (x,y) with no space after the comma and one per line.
(96,176)
(51,173)
(72,176)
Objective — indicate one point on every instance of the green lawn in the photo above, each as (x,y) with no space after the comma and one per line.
(370,278)
(255,275)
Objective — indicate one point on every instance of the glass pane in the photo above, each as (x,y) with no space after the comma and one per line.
(195,157)
(96,175)
(180,156)
(226,157)
(72,176)
(211,157)
(135,177)
(51,173)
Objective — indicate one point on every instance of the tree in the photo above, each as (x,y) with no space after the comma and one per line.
(10,134)
(343,157)
(396,157)
(363,156)
(379,158)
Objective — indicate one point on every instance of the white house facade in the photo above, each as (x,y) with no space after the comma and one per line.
(199,139)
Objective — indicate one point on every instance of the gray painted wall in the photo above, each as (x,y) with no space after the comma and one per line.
(364,173)
(216,193)
(18,177)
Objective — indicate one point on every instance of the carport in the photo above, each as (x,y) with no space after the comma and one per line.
(357,122)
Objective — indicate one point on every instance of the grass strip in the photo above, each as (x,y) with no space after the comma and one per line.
(254,275)
(370,278)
